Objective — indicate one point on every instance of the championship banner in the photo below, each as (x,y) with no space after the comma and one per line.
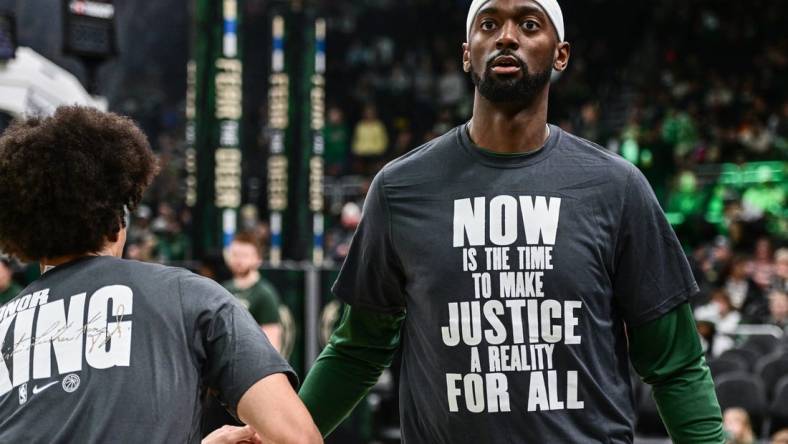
(317,123)
(229,99)
(278,122)
(213,130)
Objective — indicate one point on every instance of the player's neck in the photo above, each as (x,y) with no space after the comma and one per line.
(244,282)
(110,248)
(509,130)
(46,264)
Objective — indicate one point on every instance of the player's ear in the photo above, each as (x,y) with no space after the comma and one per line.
(466,58)
(562,52)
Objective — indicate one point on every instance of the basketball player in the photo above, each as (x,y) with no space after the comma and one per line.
(520,269)
(101,349)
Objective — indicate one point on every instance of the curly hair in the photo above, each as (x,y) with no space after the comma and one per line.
(67,180)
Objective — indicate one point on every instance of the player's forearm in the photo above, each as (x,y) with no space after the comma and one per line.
(359,350)
(272,408)
(335,385)
(667,355)
(688,405)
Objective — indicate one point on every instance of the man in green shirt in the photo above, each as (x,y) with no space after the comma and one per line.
(520,269)
(244,257)
(8,288)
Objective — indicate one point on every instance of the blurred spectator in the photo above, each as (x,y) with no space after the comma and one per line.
(424,82)
(452,85)
(756,139)
(714,261)
(337,139)
(338,239)
(8,288)
(172,244)
(745,295)
(404,142)
(399,82)
(587,126)
(161,239)
(736,423)
(713,344)
(165,214)
(244,258)
(370,139)
(780,278)
(761,267)
(444,123)
(720,311)
(778,309)
(679,131)
(140,238)
(716,321)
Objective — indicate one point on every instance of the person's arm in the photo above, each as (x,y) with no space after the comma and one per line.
(274,333)
(265,309)
(236,360)
(361,347)
(667,354)
(273,409)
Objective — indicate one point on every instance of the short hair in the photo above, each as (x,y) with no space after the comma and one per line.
(67,180)
(781,255)
(248,237)
(780,437)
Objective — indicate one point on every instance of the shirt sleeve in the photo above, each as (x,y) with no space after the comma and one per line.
(228,346)
(361,347)
(651,274)
(265,305)
(667,354)
(372,276)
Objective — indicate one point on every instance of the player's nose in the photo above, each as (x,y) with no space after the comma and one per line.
(507,37)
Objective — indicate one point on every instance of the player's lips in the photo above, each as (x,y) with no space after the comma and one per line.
(506,65)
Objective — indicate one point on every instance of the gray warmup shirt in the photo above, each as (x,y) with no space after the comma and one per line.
(109,350)
(518,276)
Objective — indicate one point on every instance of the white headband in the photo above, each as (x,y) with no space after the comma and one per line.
(551,7)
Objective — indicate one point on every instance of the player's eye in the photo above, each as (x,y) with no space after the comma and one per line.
(530,25)
(488,25)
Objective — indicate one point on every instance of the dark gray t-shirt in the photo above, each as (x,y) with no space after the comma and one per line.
(109,350)
(518,275)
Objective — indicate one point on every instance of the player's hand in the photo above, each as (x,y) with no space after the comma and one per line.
(232,435)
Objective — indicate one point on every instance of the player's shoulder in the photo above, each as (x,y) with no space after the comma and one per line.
(428,158)
(164,275)
(580,152)
(146,269)
(587,150)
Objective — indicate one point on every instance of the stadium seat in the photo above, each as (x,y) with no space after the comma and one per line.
(721,366)
(762,344)
(779,409)
(771,369)
(745,356)
(745,390)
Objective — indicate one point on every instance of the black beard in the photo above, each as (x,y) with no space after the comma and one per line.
(508,90)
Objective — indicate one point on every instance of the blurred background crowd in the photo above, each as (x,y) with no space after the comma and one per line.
(695,93)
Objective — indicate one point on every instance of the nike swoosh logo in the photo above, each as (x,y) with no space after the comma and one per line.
(37,389)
